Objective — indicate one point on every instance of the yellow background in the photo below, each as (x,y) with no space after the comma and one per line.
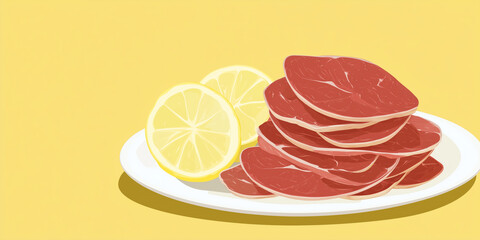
(78,78)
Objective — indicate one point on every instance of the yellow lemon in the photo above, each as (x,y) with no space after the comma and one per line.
(193,132)
(243,87)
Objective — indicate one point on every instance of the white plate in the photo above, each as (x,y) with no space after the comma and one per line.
(458,151)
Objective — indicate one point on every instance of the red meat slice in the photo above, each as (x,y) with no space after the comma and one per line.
(240,184)
(281,177)
(348,89)
(274,143)
(406,164)
(428,170)
(378,190)
(284,105)
(418,136)
(365,137)
(366,168)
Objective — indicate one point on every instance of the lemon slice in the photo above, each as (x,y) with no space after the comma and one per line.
(193,133)
(243,87)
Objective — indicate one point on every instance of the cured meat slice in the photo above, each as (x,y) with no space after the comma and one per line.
(348,89)
(428,170)
(281,177)
(399,175)
(418,136)
(364,169)
(365,137)
(378,190)
(285,105)
(406,164)
(274,143)
(240,184)
(371,175)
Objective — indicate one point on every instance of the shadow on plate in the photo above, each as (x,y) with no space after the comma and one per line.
(145,197)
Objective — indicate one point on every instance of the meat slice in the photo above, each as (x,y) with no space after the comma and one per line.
(428,170)
(274,143)
(281,177)
(365,137)
(378,190)
(348,89)
(240,184)
(406,164)
(418,136)
(349,170)
(285,105)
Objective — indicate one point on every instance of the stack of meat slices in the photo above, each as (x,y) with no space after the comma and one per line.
(339,127)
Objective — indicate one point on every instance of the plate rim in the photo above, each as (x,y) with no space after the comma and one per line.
(469,143)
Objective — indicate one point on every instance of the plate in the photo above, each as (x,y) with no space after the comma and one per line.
(458,151)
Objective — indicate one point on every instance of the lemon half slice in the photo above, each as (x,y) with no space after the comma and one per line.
(193,133)
(243,87)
